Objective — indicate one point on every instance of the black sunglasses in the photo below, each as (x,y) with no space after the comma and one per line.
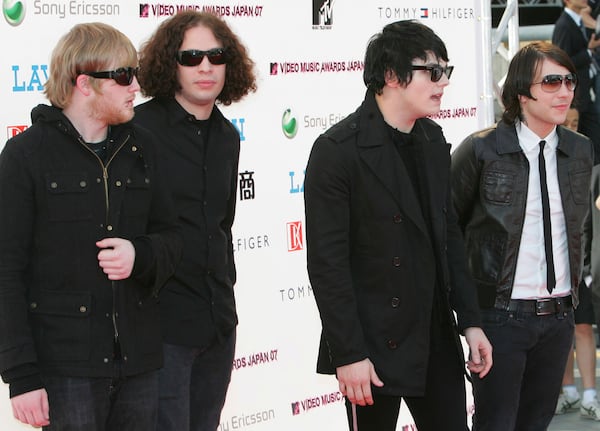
(193,57)
(122,76)
(552,83)
(436,71)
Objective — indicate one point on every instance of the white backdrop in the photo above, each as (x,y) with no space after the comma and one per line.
(310,76)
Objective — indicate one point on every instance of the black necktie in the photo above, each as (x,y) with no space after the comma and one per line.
(551,278)
(583,30)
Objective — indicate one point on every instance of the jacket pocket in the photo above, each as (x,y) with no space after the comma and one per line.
(68,196)
(498,187)
(61,324)
(137,196)
(580,185)
(485,258)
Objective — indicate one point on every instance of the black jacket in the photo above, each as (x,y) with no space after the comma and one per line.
(568,36)
(58,310)
(198,303)
(372,259)
(489,186)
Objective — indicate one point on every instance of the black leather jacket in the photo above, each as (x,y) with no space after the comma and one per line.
(489,187)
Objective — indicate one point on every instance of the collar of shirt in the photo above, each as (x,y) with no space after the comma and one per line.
(576,17)
(529,141)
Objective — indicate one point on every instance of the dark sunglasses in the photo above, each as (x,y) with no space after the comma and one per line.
(436,71)
(122,76)
(193,57)
(552,83)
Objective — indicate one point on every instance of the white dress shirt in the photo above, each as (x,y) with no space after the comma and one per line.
(530,275)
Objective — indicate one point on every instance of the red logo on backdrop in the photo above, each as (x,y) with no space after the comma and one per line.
(294,236)
(14,130)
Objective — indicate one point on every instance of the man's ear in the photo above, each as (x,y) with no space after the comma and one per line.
(82,83)
(391,80)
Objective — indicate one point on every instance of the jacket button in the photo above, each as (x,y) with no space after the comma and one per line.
(392,344)
(396,261)
(109,228)
(82,309)
(82,184)
(395,302)
(53,185)
(118,183)
(134,148)
(397,218)
(105,360)
(33,305)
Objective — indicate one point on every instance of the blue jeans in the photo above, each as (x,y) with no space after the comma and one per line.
(102,404)
(193,385)
(522,388)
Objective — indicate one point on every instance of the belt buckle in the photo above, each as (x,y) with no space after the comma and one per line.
(539,311)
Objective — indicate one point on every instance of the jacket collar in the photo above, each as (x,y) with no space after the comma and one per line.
(508,142)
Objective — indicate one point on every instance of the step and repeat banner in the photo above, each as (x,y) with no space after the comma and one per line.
(309,61)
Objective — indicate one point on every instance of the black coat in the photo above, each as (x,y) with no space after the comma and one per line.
(58,310)
(371,257)
(568,36)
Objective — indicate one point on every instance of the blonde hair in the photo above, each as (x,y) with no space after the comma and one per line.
(90,47)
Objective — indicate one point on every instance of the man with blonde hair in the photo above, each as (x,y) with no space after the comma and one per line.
(87,238)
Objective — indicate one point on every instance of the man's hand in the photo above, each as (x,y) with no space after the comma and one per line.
(355,381)
(32,408)
(116,257)
(480,352)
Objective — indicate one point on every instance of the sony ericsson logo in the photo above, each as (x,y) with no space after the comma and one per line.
(13,11)
(289,125)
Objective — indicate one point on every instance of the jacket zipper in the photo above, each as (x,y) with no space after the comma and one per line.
(106,220)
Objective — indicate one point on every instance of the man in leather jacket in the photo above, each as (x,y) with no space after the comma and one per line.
(527,269)
(88,236)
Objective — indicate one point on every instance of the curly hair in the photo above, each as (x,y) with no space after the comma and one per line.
(158,66)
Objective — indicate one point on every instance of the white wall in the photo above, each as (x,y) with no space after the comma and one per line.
(278,317)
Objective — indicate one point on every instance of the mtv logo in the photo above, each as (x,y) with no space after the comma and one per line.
(273,68)
(144,10)
(296,408)
(15,130)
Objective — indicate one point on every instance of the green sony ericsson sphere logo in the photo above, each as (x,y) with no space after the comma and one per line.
(289,124)
(14,11)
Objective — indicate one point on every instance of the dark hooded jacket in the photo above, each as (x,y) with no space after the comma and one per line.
(59,313)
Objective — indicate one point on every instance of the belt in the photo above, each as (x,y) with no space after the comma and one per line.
(543,306)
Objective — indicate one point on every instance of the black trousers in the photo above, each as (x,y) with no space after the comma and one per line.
(442,408)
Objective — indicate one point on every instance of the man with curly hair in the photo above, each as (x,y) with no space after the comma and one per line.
(192,61)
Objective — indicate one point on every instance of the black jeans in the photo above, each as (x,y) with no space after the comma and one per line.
(193,385)
(522,388)
(102,404)
(443,407)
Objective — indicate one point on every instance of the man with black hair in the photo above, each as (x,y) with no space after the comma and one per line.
(385,256)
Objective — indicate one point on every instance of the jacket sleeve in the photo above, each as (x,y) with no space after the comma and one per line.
(465,178)
(464,184)
(18,357)
(160,249)
(327,192)
(587,231)
(227,223)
